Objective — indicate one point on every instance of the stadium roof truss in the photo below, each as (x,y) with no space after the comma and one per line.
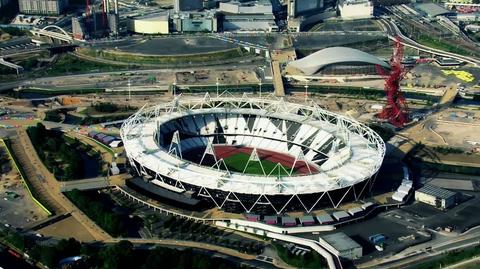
(364,151)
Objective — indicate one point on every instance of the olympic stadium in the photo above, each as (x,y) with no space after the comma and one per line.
(246,154)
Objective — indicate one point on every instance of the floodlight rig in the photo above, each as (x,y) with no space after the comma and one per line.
(396,109)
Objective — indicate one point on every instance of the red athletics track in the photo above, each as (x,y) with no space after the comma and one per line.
(286,160)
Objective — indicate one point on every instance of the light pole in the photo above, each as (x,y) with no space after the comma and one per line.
(129,90)
(174,86)
(306,91)
(260,86)
(216,83)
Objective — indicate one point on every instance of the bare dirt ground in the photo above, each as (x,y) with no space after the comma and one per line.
(21,210)
(66,228)
(450,128)
(209,77)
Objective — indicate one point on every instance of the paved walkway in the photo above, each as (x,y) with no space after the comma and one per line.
(448,97)
(190,244)
(48,187)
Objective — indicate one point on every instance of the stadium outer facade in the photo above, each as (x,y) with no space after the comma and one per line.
(345,153)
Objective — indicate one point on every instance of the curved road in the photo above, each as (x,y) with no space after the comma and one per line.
(392,30)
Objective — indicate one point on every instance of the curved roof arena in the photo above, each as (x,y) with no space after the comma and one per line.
(312,63)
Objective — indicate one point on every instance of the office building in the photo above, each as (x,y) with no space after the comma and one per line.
(195,22)
(187,5)
(42,7)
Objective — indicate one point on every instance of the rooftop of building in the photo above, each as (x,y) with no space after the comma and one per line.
(340,241)
(436,191)
(312,63)
(153,16)
(432,9)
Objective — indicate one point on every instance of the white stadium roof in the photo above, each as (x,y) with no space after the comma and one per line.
(312,63)
(365,154)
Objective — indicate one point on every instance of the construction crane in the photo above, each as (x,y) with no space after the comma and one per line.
(396,109)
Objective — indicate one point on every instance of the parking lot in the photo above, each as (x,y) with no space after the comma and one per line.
(178,46)
(461,217)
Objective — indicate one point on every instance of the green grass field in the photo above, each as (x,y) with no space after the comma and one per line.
(237,162)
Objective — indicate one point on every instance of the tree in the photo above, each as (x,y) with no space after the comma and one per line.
(68,248)
(51,144)
(119,256)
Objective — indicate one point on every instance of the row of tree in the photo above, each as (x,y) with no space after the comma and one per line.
(182,229)
(99,209)
(309,260)
(61,155)
(122,255)
(108,107)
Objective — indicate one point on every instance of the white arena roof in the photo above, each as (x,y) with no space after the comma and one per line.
(312,63)
(359,158)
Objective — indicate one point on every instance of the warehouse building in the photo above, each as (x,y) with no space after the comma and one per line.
(341,245)
(436,196)
(433,10)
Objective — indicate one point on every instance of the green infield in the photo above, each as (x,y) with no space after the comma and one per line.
(237,162)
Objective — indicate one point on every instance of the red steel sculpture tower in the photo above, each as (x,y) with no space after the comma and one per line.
(396,109)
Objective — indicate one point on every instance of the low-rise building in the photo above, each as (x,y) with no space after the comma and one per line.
(341,245)
(355,211)
(271,220)
(340,215)
(307,220)
(288,221)
(436,196)
(325,219)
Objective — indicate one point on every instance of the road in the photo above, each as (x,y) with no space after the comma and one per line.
(392,30)
(85,79)
(16,45)
(422,252)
